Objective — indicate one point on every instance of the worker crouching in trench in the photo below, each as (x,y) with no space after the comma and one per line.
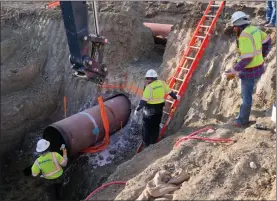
(49,165)
(152,103)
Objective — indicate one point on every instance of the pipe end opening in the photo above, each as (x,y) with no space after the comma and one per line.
(54,137)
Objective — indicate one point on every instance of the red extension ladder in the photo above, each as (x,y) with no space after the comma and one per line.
(199,42)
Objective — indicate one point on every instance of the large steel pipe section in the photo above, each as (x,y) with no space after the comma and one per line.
(76,131)
(161,30)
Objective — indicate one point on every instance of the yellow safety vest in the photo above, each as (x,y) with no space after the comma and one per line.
(155,91)
(49,165)
(250,45)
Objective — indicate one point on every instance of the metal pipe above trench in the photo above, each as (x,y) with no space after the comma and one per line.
(161,30)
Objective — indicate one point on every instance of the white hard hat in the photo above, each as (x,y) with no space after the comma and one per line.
(239,18)
(151,73)
(42,145)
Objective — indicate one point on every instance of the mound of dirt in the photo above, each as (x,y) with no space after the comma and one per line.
(217,170)
(35,71)
(209,94)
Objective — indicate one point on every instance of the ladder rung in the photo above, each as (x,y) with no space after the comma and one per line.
(195,47)
(169,101)
(215,5)
(200,36)
(205,26)
(210,15)
(185,69)
(191,58)
(179,79)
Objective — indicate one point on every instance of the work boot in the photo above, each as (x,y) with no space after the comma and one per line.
(235,123)
(265,23)
(269,25)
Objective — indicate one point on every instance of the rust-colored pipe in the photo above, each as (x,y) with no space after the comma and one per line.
(161,30)
(76,131)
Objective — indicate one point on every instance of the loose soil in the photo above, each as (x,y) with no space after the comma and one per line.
(35,76)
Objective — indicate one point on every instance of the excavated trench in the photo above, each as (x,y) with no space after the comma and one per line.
(35,70)
(36,76)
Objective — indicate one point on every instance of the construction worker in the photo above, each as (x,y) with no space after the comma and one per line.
(270,13)
(50,164)
(253,46)
(153,103)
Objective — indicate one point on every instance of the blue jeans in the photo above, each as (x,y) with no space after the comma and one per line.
(271,11)
(247,87)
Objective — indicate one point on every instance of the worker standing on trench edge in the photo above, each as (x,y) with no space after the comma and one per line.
(50,164)
(253,46)
(153,102)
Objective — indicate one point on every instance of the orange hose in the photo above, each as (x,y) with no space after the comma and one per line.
(191,137)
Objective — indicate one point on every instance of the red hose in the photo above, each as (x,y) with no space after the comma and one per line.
(103,186)
(201,130)
(191,137)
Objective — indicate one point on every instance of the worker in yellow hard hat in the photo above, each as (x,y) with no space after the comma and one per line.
(253,46)
(49,164)
(153,103)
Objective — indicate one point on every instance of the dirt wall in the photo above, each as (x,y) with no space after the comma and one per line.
(209,94)
(35,71)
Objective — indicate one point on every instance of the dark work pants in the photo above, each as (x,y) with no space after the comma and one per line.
(152,116)
(53,187)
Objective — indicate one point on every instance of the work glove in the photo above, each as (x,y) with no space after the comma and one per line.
(62,147)
(231,73)
(136,113)
(178,97)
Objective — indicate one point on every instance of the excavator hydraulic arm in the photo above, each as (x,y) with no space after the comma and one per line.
(86,50)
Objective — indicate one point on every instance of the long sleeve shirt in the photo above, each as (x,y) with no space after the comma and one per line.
(255,72)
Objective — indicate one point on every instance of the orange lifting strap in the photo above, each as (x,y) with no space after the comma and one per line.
(106,140)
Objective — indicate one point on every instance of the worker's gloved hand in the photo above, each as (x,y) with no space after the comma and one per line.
(178,97)
(136,113)
(231,73)
(62,147)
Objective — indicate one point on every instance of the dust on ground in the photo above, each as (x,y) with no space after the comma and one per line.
(205,103)
(217,170)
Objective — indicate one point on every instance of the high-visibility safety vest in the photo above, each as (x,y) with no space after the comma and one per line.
(49,165)
(155,91)
(250,45)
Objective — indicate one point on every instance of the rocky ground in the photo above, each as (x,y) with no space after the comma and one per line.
(35,76)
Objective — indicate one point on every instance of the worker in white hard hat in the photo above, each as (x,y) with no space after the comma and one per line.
(153,102)
(49,164)
(253,46)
